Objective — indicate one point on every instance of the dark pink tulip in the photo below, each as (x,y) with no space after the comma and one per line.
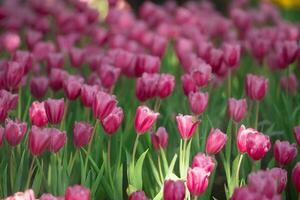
(215,142)
(259,47)
(159,46)
(42,49)
(256,87)
(76,57)
(215,59)
(236,109)
(147,86)
(47,196)
(39,86)
(113,121)
(174,190)
(146,63)
(55,109)
(138,195)
(287,50)
(289,83)
(232,53)
(165,85)
(1,135)
(82,133)
(186,126)
(77,192)
(37,114)
(284,152)
(103,104)
(10,41)
(72,86)
(55,60)
(24,58)
(197,181)
(159,139)
(204,161)
(296,131)
(123,59)
(95,61)
(3,110)
(203,50)
(258,145)
(242,192)
(109,75)
(280,176)
(87,94)
(13,74)
(38,140)
(57,139)
(32,37)
(296,176)
(201,73)
(57,77)
(188,84)
(8,99)
(242,135)
(198,102)
(14,131)
(144,119)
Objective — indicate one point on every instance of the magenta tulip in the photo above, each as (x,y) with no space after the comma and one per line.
(198,102)
(113,121)
(38,140)
(186,126)
(256,87)
(204,161)
(138,195)
(159,139)
(87,94)
(215,142)
(284,152)
(103,104)
(236,109)
(37,114)
(72,87)
(258,145)
(188,84)
(55,109)
(201,73)
(57,77)
(77,192)
(242,135)
(82,134)
(57,139)
(165,85)
(39,86)
(144,119)
(232,54)
(296,131)
(174,190)
(14,131)
(197,181)
(296,176)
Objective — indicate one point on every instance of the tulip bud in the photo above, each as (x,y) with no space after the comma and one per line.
(160,138)
(258,145)
(9,100)
(24,58)
(32,37)
(289,83)
(236,109)
(165,85)
(38,140)
(13,74)
(174,190)
(14,131)
(72,86)
(37,114)
(296,176)
(232,54)
(215,142)
(109,75)
(82,133)
(123,59)
(76,57)
(242,135)
(138,195)
(103,104)
(284,152)
(77,192)
(57,77)
(201,73)
(144,119)
(87,94)
(256,87)
(198,102)
(11,41)
(57,139)
(215,59)
(188,84)
(296,131)
(112,121)
(147,86)
(186,126)
(42,49)
(39,86)
(280,176)
(55,60)
(197,181)
(2,131)
(146,63)
(55,109)
(159,45)
(204,161)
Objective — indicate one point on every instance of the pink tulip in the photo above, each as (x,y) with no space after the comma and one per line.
(32,37)
(198,102)
(55,60)
(13,74)
(186,126)
(215,142)
(82,134)
(147,86)
(25,59)
(138,195)
(55,109)
(27,195)
(258,145)
(232,54)
(11,41)
(256,87)
(197,181)
(72,86)
(144,119)
(242,135)
(77,192)
(39,86)
(109,75)
(38,140)
(57,139)
(146,63)
(113,121)
(280,175)
(9,100)
(236,109)
(165,85)
(159,46)
(201,73)
(204,161)
(50,197)
(87,94)
(296,176)
(159,139)
(37,114)
(76,57)
(296,132)
(284,152)
(103,104)
(289,83)
(174,190)
(188,84)
(42,49)
(14,131)
(57,77)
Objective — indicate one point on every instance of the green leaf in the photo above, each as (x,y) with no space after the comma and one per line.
(154,171)
(37,182)
(96,183)
(137,173)
(17,185)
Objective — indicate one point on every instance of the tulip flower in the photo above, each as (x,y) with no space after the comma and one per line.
(188,84)
(256,87)
(109,75)
(82,134)
(87,94)
(55,109)
(215,142)
(57,139)
(289,83)
(8,99)
(14,131)
(37,114)
(186,126)
(113,121)
(296,131)
(284,152)
(42,49)
(123,59)
(159,46)
(24,58)
(280,175)
(72,87)
(47,196)
(232,54)
(138,195)
(55,60)
(27,195)
(201,73)
(39,86)
(258,145)
(159,139)
(197,181)
(146,63)
(174,190)
(77,192)
(103,104)
(2,132)
(32,37)
(204,161)
(242,138)
(236,109)
(165,85)
(11,41)
(198,102)
(296,176)
(13,74)
(144,119)
(76,57)
(57,77)
(147,86)
(38,140)
(215,59)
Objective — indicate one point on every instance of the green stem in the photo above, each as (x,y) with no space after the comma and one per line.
(31,169)
(135,147)
(108,150)
(157,104)
(229,84)
(160,169)
(72,162)
(20,103)
(238,169)
(256,115)
(11,167)
(195,198)
(90,145)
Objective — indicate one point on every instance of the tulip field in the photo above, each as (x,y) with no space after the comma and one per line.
(170,102)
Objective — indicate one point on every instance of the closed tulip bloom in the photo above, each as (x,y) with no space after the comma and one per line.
(138,195)
(296,131)
(57,139)
(42,49)
(2,131)
(32,37)
(236,109)
(76,57)
(123,59)
(57,77)
(296,176)
(215,142)
(165,85)
(11,41)
(37,114)
(147,63)
(188,84)
(232,53)
(82,133)
(103,104)
(55,60)
(147,86)
(289,83)
(113,121)
(198,102)
(280,176)
(242,135)
(8,99)
(72,87)
(39,86)
(284,152)
(159,139)
(55,109)
(14,131)
(258,145)
(204,161)
(201,73)
(87,94)
(256,87)
(174,190)
(144,119)
(186,126)
(109,75)
(77,192)
(24,58)
(13,74)
(159,45)
(197,181)
(38,140)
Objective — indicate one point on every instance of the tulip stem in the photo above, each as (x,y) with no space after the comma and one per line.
(159,167)
(238,169)
(62,124)
(135,146)
(20,103)
(157,104)
(229,83)
(90,145)
(256,115)
(195,198)
(30,173)
(108,150)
